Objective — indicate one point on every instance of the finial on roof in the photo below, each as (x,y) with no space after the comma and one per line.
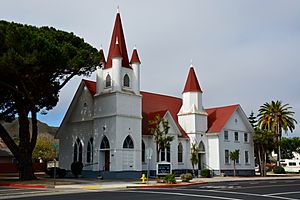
(134,47)
(118,9)
(191,65)
(101,48)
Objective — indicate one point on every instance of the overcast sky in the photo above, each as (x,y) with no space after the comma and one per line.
(245,52)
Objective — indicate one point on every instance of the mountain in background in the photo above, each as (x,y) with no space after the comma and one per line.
(43,129)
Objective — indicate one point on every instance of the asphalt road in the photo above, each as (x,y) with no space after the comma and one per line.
(275,189)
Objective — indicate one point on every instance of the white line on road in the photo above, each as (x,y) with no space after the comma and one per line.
(183,194)
(241,193)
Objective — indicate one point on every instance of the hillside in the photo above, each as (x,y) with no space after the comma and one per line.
(43,129)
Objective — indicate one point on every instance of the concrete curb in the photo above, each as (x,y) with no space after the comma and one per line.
(168,185)
(19,185)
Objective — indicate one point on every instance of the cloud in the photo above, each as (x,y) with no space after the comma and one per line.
(244,52)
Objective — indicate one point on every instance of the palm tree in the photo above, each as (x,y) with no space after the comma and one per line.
(159,128)
(194,156)
(264,143)
(234,155)
(276,117)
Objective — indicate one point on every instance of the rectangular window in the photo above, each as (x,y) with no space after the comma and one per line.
(292,164)
(226,156)
(226,135)
(245,137)
(236,136)
(247,157)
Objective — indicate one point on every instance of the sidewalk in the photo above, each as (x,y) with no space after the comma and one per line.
(93,184)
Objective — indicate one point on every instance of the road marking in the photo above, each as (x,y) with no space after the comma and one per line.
(241,193)
(279,197)
(183,194)
(280,193)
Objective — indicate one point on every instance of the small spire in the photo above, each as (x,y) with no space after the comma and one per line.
(192,84)
(118,9)
(135,57)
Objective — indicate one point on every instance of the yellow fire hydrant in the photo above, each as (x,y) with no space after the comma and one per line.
(143,178)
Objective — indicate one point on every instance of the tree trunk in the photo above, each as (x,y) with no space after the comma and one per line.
(157,153)
(234,168)
(260,163)
(25,149)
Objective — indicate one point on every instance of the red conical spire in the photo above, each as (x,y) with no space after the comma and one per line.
(101,52)
(192,84)
(135,57)
(118,33)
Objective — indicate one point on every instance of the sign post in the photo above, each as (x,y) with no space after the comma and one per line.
(149,152)
(54,146)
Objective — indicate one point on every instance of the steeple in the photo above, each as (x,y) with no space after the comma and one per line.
(192,84)
(116,51)
(135,57)
(101,52)
(117,37)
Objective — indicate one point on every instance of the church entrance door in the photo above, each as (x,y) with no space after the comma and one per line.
(106,160)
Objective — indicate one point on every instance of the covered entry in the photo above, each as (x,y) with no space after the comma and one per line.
(104,155)
(201,156)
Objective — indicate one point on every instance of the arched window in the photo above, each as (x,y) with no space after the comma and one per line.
(180,152)
(128,143)
(108,81)
(143,151)
(104,143)
(90,150)
(126,81)
(201,147)
(77,151)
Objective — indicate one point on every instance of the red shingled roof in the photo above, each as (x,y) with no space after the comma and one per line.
(152,103)
(91,85)
(218,117)
(192,84)
(157,104)
(117,33)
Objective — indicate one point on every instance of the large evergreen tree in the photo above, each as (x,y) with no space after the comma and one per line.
(35,63)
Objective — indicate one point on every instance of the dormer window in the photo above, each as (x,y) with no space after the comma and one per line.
(108,81)
(126,81)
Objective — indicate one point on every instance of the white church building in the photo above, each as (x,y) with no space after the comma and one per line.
(106,126)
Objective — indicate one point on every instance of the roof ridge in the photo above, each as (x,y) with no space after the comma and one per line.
(158,94)
(226,106)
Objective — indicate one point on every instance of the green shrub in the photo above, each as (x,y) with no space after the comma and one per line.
(278,170)
(76,168)
(206,173)
(170,178)
(186,177)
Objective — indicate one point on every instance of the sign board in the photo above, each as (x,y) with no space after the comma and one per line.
(163,168)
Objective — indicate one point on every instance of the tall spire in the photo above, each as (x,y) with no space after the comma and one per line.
(118,37)
(192,84)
